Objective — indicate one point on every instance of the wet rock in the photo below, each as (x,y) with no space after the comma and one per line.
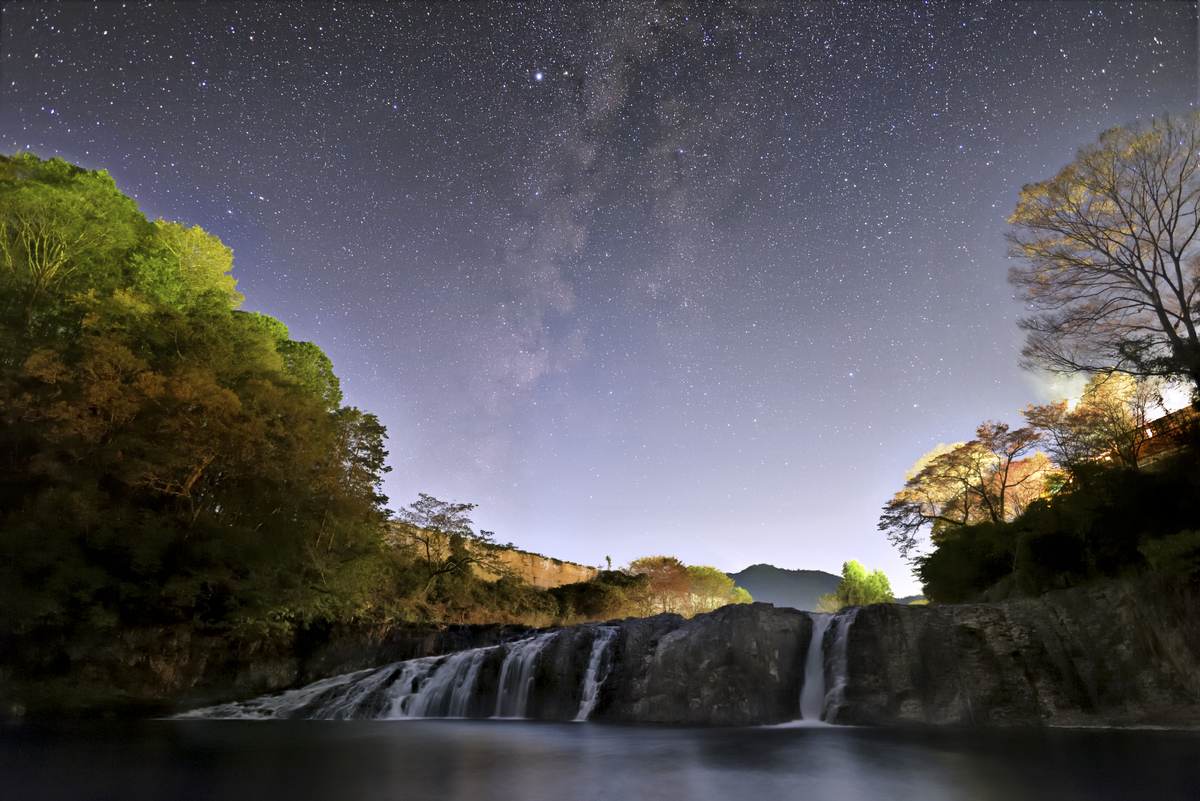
(739,665)
(1117,653)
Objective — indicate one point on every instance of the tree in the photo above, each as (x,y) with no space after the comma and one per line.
(1110,420)
(181,265)
(687,590)
(711,589)
(447,546)
(161,458)
(993,477)
(858,588)
(63,229)
(670,582)
(1110,254)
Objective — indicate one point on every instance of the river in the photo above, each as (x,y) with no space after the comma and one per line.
(527,760)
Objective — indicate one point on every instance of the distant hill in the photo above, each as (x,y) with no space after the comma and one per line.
(798,589)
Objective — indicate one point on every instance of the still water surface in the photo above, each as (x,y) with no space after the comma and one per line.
(459,759)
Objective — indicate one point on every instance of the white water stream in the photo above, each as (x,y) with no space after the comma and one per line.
(839,667)
(429,687)
(819,702)
(812,694)
(592,679)
(516,676)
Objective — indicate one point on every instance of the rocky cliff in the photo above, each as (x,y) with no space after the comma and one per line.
(1118,653)
(1121,653)
(541,571)
(742,664)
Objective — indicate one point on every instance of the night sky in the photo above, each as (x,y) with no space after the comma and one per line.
(636,278)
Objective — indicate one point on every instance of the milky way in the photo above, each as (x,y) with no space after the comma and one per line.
(696,279)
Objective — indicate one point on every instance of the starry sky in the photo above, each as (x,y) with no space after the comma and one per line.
(636,278)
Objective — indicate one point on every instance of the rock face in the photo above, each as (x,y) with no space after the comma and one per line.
(738,665)
(541,571)
(1119,653)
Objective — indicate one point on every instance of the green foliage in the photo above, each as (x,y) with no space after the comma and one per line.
(164,458)
(1176,554)
(1108,521)
(313,370)
(611,594)
(711,589)
(858,588)
(180,267)
(63,230)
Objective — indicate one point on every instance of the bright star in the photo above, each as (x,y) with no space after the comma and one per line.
(537,76)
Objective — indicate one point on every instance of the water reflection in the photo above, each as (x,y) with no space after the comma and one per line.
(466,760)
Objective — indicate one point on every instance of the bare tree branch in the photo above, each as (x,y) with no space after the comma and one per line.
(1110,254)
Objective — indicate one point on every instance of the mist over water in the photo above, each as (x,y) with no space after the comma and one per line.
(433,760)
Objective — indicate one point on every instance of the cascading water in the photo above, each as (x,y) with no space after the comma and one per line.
(363,694)
(812,694)
(440,694)
(430,687)
(592,679)
(839,667)
(516,676)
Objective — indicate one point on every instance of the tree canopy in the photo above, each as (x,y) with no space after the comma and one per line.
(163,456)
(1110,255)
(858,588)
(442,535)
(171,462)
(1109,420)
(688,590)
(993,477)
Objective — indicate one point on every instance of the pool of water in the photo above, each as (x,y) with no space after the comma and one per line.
(461,759)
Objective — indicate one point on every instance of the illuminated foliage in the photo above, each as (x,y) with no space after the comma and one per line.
(993,477)
(858,588)
(1109,421)
(163,457)
(670,582)
(687,590)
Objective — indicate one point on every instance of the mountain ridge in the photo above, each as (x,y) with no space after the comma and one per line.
(798,589)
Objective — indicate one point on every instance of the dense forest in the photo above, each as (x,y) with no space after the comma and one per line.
(164,457)
(171,462)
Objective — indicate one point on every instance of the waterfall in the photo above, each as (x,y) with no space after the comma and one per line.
(429,687)
(516,676)
(362,694)
(812,694)
(592,678)
(839,667)
(443,693)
